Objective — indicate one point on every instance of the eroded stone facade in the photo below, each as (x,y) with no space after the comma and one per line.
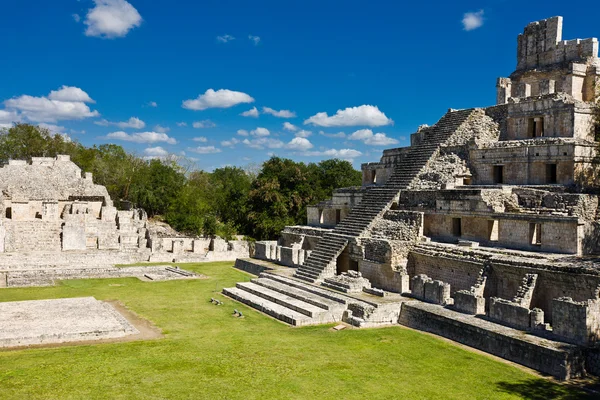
(53,216)
(491,212)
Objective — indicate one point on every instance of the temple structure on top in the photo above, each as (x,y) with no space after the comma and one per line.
(491,211)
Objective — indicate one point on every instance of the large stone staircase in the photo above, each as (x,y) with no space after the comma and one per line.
(377,200)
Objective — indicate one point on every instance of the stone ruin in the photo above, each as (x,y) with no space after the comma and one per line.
(484,230)
(56,222)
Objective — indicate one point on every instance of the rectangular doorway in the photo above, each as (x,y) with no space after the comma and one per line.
(551,173)
(498,174)
(535,234)
(457,227)
(493,230)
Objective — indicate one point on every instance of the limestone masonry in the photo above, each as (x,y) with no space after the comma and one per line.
(55,223)
(485,230)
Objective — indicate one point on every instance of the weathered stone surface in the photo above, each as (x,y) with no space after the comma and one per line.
(24,323)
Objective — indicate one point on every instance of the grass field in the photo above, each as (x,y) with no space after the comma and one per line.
(208,354)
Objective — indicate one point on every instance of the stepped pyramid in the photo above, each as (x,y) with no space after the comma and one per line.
(321,262)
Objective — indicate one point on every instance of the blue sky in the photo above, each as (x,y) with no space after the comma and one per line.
(142,74)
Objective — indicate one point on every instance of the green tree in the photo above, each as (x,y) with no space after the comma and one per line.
(24,141)
(279,197)
(156,186)
(229,188)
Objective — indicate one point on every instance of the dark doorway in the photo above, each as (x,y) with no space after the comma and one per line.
(338,216)
(498,174)
(551,173)
(457,227)
(342,263)
(8,214)
(535,127)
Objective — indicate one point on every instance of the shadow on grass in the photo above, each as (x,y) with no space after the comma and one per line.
(539,389)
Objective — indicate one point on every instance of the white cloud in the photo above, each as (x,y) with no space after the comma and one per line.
(70,93)
(290,127)
(230,143)
(111,19)
(206,123)
(339,135)
(263,142)
(242,132)
(205,150)
(345,154)
(181,124)
(76,17)
(299,144)
(162,129)
(153,104)
(279,114)
(472,20)
(142,137)
(352,116)
(303,133)
(377,139)
(7,118)
(254,39)
(44,109)
(259,132)
(225,38)
(200,139)
(155,152)
(222,98)
(253,112)
(133,122)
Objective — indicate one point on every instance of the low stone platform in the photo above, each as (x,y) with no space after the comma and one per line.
(38,322)
(49,277)
(554,358)
(299,303)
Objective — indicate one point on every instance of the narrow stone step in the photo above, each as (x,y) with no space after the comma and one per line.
(301,294)
(268,307)
(282,299)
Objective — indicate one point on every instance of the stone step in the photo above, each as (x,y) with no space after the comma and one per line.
(327,294)
(268,307)
(282,299)
(301,294)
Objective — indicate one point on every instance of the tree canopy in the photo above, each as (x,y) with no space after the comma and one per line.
(225,202)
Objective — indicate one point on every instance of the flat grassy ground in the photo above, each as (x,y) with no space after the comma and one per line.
(208,354)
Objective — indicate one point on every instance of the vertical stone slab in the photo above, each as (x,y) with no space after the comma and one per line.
(73,234)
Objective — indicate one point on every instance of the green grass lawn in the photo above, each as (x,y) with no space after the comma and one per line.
(208,354)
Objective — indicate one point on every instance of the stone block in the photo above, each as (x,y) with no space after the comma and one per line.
(508,313)
(108,213)
(418,285)
(436,292)
(576,322)
(469,303)
(260,251)
(177,246)
(201,246)
(73,233)
(287,256)
(219,245)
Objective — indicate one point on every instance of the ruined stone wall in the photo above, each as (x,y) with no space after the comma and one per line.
(27,236)
(504,280)
(398,225)
(541,45)
(561,118)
